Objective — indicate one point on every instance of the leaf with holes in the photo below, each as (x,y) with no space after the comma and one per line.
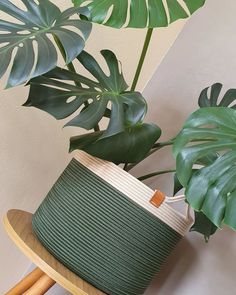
(32,27)
(212,99)
(212,188)
(54,93)
(129,146)
(139,13)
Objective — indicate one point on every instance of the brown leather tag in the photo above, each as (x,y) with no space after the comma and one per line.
(157,199)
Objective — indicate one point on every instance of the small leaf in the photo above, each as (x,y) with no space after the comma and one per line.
(203,226)
(139,13)
(177,185)
(36,23)
(129,146)
(212,100)
(55,94)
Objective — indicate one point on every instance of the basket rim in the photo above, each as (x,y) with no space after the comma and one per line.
(134,189)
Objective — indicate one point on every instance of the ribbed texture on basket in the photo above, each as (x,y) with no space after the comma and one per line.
(102,235)
(135,190)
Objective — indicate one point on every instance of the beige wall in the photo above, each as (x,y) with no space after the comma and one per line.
(34,149)
(33,146)
(203,54)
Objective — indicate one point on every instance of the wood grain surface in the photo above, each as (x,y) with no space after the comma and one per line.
(18,226)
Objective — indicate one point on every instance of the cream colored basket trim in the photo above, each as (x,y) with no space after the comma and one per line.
(134,189)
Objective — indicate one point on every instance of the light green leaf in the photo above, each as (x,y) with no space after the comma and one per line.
(55,94)
(129,146)
(211,189)
(139,13)
(33,27)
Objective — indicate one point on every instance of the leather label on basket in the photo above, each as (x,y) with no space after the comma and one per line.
(157,199)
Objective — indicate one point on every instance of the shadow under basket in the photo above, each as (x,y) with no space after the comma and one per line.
(98,221)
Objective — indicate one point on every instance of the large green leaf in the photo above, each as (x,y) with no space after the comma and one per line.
(210,97)
(129,146)
(201,224)
(55,94)
(139,13)
(32,26)
(211,189)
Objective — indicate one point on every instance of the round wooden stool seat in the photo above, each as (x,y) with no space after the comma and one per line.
(17,224)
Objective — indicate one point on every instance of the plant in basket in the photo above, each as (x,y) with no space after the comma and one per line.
(98,220)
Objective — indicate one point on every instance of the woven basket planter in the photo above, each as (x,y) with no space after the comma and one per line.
(98,221)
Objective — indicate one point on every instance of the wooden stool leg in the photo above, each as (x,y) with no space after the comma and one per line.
(26,282)
(41,286)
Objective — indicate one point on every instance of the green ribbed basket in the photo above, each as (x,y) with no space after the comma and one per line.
(97,220)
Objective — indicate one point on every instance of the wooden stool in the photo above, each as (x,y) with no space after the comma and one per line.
(49,270)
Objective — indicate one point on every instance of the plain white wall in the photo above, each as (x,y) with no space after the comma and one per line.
(33,146)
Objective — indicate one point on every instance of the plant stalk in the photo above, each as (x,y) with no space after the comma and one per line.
(155,148)
(142,58)
(164,143)
(125,166)
(71,68)
(155,174)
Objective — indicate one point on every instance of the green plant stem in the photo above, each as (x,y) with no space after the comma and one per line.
(71,68)
(142,58)
(159,146)
(125,166)
(141,178)
(155,148)
(164,143)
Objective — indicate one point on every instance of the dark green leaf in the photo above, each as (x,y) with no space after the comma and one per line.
(129,146)
(55,94)
(36,23)
(208,159)
(210,97)
(177,185)
(203,226)
(211,189)
(139,13)
(230,216)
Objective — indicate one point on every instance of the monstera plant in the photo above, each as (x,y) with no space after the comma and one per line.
(32,38)
(208,142)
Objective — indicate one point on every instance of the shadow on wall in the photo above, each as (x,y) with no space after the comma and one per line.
(196,267)
(183,257)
